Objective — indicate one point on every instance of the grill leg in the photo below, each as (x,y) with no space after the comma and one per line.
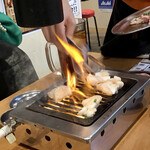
(97,31)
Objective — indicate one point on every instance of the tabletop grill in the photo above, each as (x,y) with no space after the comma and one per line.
(114,116)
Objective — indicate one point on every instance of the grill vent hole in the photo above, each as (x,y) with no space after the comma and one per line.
(124,110)
(47,138)
(102,133)
(68,145)
(114,120)
(28,131)
(134,100)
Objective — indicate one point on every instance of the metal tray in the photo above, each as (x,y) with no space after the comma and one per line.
(123,27)
(23,97)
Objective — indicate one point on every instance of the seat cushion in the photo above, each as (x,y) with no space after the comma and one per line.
(87,13)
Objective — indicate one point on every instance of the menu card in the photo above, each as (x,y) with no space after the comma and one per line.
(76,7)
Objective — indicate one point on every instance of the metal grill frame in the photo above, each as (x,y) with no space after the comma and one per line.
(86,134)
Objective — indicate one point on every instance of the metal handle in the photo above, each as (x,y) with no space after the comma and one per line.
(51,65)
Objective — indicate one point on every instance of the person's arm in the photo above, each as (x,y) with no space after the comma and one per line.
(63,29)
(137,4)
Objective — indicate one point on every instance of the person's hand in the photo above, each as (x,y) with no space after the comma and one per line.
(144,74)
(63,29)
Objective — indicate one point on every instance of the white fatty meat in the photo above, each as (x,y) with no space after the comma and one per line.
(90,106)
(60,92)
(110,87)
(99,77)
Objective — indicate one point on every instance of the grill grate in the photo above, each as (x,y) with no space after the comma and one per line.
(68,108)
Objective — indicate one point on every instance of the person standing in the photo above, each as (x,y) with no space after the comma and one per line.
(131,45)
(16,69)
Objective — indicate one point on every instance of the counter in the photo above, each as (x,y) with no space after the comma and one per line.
(138,137)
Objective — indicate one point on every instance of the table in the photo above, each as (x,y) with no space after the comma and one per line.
(138,137)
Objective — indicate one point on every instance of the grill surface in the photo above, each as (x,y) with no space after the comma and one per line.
(67,109)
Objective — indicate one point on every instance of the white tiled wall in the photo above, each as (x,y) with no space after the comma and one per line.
(33,44)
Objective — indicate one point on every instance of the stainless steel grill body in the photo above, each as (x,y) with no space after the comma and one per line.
(105,131)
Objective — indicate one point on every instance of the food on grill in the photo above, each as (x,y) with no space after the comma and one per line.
(117,80)
(144,18)
(59,93)
(98,78)
(111,86)
(87,112)
(89,106)
(104,83)
(92,100)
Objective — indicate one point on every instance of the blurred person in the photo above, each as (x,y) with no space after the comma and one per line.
(16,69)
(131,45)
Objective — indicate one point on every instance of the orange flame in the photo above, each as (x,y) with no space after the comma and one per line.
(74,53)
(71,80)
(78,58)
(80,92)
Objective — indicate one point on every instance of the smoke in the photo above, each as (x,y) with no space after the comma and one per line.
(16,69)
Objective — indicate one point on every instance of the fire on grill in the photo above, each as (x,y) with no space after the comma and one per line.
(99,82)
(81,97)
(88,97)
(83,105)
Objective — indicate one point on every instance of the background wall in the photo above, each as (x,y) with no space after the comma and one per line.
(33,44)
(102,17)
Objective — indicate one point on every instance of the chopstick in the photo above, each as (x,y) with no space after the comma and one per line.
(86,66)
(97,61)
(88,69)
